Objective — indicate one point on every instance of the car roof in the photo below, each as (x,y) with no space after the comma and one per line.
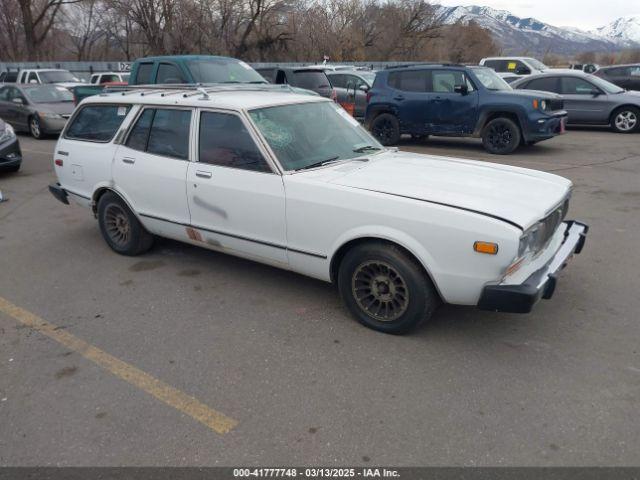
(421,65)
(224,97)
(508,57)
(183,57)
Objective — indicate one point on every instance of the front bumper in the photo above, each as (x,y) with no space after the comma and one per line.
(10,154)
(546,126)
(52,125)
(521,298)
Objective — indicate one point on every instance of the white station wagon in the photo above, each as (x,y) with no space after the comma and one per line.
(293,181)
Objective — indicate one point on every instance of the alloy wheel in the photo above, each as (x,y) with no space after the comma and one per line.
(626,121)
(500,136)
(117,225)
(380,291)
(35,127)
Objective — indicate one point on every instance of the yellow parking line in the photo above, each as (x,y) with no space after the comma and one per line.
(216,421)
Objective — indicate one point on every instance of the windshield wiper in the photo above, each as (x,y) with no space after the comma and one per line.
(319,164)
(366,148)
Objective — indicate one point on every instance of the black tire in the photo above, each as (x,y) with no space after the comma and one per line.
(625,120)
(35,128)
(408,299)
(120,228)
(386,129)
(501,136)
(13,169)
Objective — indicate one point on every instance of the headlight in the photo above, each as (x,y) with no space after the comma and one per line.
(49,115)
(530,240)
(543,105)
(7,133)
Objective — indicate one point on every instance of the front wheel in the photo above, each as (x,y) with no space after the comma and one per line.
(501,136)
(386,129)
(120,228)
(625,120)
(35,129)
(385,289)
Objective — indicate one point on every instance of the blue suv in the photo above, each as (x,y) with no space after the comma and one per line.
(455,100)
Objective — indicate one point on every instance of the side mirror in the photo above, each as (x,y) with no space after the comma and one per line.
(18,101)
(461,89)
(33,80)
(595,92)
(363,88)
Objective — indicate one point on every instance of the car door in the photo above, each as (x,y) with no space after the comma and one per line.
(584,102)
(17,113)
(634,78)
(150,168)
(410,96)
(355,86)
(6,104)
(450,111)
(236,199)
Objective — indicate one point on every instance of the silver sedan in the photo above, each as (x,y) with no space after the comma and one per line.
(37,109)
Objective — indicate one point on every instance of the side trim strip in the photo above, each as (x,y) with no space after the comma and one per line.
(77,194)
(446,205)
(239,237)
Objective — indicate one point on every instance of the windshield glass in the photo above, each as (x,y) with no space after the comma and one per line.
(490,79)
(57,77)
(307,133)
(538,65)
(223,70)
(48,94)
(608,87)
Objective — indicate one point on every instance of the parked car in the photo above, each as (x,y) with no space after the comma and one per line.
(56,76)
(588,99)
(10,153)
(101,78)
(624,76)
(584,67)
(517,65)
(10,76)
(454,100)
(192,69)
(313,79)
(37,109)
(351,86)
(295,182)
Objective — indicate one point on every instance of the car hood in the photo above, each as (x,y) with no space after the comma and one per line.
(632,96)
(516,195)
(532,94)
(61,108)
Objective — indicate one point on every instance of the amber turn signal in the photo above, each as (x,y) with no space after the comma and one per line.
(486,247)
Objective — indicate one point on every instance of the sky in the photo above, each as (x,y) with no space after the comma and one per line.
(584,14)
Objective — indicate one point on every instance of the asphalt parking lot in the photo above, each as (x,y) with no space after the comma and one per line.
(278,358)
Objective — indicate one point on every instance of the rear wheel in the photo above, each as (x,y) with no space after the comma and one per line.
(501,136)
(35,129)
(386,129)
(120,228)
(385,289)
(625,120)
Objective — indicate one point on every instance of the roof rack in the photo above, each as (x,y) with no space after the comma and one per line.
(190,90)
(418,64)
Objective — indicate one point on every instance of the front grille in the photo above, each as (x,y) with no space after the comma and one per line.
(551,223)
(555,104)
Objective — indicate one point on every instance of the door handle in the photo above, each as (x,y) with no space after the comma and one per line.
(203,174)
(128,160)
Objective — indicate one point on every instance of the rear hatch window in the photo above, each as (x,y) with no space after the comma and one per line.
(312,80)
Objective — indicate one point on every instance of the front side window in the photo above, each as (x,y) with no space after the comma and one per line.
(163,132)
(224,141)
(97,123)
(33,78)
(143,76)
(576,86)
(444,81)
(168,73)
(310,133)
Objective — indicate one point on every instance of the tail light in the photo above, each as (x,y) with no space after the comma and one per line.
(58,162)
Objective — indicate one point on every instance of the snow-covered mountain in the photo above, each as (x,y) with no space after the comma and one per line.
(530,36)
(624,30)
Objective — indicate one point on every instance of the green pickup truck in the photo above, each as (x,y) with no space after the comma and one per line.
(180,69)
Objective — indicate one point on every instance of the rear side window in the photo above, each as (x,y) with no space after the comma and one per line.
(168,73)
(339,81)
(619,71)
(409,81)
(162,132)
(544,84)
(310,80)
(97,123)
(224,141)
(144,73)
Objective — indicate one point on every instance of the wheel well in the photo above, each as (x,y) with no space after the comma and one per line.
(342,251)
(510,115)
(617,109)
(97,195)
